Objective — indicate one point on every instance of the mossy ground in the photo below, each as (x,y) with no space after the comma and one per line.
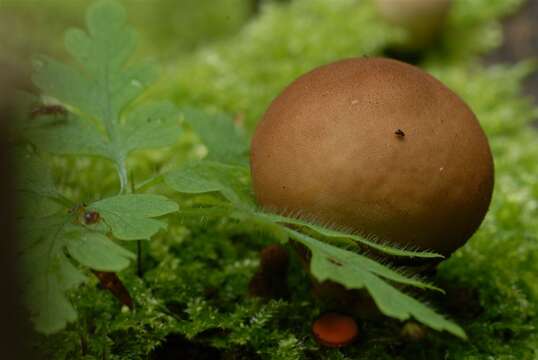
(192,300)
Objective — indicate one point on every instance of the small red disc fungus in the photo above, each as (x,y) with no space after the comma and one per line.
(335,330)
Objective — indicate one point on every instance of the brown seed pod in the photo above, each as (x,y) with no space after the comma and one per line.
(274,259)
(335,330)
(268,287)
(111,282)
(270,281)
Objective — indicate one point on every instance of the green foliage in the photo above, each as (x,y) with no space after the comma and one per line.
(355,239)
(35,183)
(99,95)
(206,176)
(96,251)
(55,230)
(47,272)
(225,142)
(355,272)
(130,216)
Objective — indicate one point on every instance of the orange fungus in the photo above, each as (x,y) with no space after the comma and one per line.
(335,330)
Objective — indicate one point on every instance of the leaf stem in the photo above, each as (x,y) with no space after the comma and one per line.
(121,166)
(149,183)
(139,268)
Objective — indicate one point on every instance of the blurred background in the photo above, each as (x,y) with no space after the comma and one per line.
(520,41)
(201,37)
(168,28)
(172,28)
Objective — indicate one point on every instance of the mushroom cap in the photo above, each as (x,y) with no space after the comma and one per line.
(335,330)
(377,147)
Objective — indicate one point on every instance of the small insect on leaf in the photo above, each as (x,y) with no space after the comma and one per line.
(334,261)
(399,133)
(91,217)
(44,110)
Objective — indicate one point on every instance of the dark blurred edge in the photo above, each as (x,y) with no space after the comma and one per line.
(520,42)
(14,328)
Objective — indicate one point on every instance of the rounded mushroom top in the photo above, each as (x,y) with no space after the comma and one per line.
(335,330)
(378,147)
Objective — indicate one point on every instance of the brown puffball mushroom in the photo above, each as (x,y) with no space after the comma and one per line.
(378,147)
(422,19)
(270,281)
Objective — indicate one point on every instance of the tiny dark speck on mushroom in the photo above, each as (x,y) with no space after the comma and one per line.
(399,133)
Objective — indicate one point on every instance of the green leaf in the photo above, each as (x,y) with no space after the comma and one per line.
(52,310)
(130,217)
(99,91)
(33,175)
(203,176)
(330,233)
(71,135)
(361,263)
(225,142)
(35,185)
(356,272)
(96,93)
(47,274)
(150,126)
(96,251)
(103,52)
(33,231)
(64,83)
